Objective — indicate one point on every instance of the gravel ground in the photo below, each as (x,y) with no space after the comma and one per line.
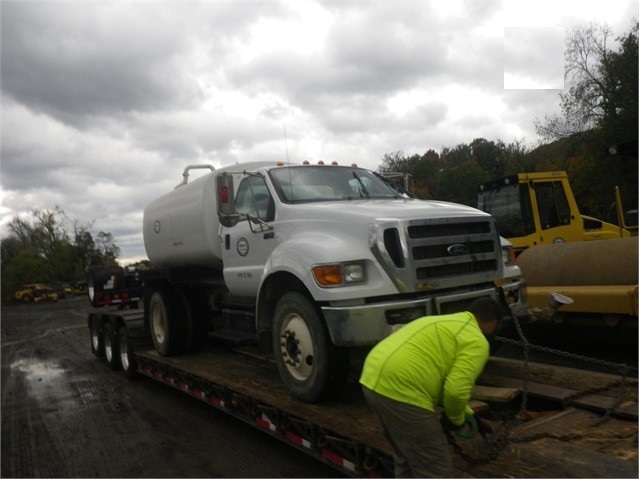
(65,414)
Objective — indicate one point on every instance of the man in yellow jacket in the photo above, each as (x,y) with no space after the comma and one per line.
(432,361)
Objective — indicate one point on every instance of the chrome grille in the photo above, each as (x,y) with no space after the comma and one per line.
(435,254)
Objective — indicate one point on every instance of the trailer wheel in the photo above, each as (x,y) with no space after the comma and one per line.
(127,358)
(167,331)
(111,347)
(91,285)
(96,335)
(302,348)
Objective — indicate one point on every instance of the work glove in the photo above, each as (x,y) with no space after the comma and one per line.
(466,430)
(448,425)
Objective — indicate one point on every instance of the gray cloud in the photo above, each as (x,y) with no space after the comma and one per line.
(104,103)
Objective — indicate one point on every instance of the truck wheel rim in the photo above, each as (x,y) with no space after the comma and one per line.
(108,349)
(124,353)
(159,331)
(296,347)
(95,338)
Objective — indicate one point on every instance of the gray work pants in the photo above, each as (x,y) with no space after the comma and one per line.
(415,434)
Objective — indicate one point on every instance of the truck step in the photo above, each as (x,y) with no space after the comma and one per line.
(234,336)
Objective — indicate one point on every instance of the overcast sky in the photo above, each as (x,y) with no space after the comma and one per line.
(104,103)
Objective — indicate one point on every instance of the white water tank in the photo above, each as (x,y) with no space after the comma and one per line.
(181,228)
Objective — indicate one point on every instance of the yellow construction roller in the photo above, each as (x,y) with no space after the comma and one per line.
(600,276)
(586,263)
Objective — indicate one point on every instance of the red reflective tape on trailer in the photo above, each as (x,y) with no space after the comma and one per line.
(169,380)
(297,439)
(339,460)
(217,401)
(183,386)
(265,422)
(198,393)
(261,422)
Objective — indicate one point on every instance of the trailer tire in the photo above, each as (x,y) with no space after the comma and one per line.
(127,358)
(96,335)
(167,331)
(302,347)
(111,347)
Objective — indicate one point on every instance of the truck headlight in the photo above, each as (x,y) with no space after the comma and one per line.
(339,274)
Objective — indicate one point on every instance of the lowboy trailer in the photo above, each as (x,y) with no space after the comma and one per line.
(341,432)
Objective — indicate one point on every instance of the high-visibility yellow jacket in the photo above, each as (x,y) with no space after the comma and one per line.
(434,360)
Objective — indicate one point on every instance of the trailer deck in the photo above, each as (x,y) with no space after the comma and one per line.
(343,433)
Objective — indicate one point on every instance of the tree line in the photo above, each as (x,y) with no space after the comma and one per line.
(593,138)
(47,247)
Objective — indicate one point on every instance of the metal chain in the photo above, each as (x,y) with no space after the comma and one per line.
(501,438)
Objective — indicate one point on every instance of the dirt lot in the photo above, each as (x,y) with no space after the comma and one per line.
(64,414)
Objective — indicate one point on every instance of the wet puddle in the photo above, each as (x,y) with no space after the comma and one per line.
(45,380)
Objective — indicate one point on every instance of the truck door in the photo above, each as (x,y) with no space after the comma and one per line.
(556,222)
(247,246)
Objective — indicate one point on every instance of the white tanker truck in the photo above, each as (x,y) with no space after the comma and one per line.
(308,262)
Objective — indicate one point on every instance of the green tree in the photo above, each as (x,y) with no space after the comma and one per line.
(40,250)
(427,174)
(489,156)
(459,183)
(603,87)
(516,158)
(618,71)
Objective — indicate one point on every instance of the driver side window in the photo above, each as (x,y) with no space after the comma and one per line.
(253,197)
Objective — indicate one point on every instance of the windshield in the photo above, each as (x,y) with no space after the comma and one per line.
(297,184)
(510,206)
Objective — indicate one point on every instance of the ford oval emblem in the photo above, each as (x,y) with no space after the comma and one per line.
(457,249)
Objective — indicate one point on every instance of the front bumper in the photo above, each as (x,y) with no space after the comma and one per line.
(365,325)
(515,293)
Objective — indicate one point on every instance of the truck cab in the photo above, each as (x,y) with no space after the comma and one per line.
(534,209)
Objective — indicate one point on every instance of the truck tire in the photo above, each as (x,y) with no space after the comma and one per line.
(303,348)
(196,328)
(96,335)
(111,347)
(167,331)
(127,358)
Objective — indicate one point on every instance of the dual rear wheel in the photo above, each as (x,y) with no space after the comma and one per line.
(177,322)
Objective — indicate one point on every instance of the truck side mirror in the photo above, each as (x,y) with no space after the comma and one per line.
(226,212)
